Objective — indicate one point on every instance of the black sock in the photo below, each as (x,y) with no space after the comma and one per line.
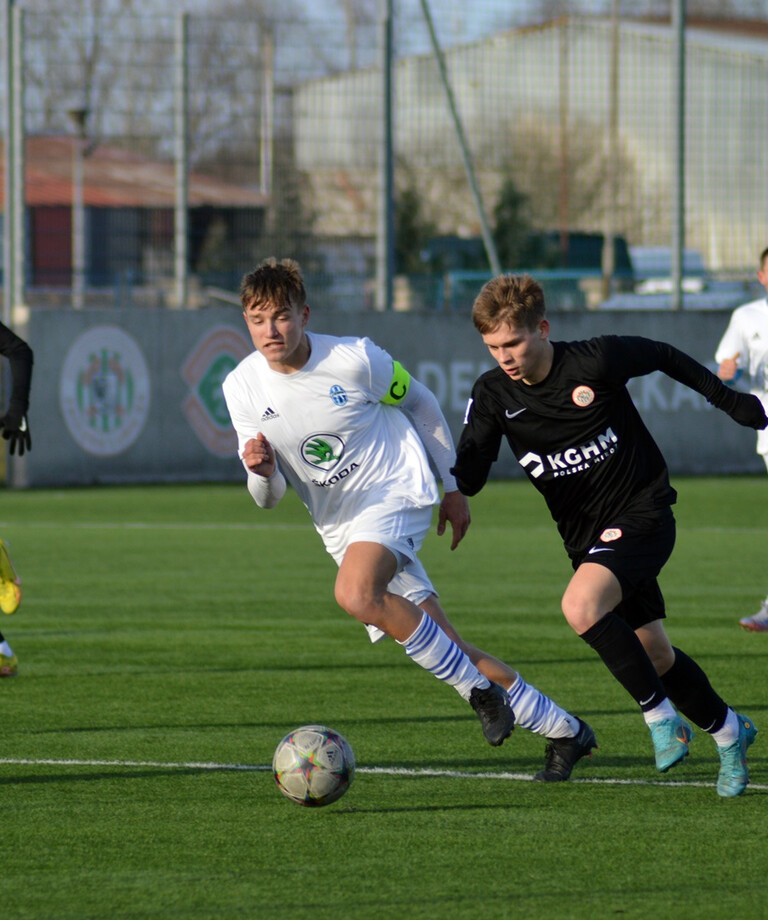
(690,690)
(624,656)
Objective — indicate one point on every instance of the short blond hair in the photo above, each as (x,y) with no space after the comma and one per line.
(516,300)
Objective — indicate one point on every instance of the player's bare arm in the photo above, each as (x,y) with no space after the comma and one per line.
(454,509)
(259,456)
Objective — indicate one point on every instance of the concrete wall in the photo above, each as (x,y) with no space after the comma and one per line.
(134,395)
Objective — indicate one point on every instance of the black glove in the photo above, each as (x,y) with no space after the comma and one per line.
(748,411)
(16,432)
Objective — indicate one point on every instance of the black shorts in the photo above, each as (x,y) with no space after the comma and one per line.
(635,548)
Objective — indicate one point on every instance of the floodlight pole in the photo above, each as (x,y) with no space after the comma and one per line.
(267,33)
(19,259)
(612,152)
(564,118)
(78,116)
(181,138)
(678,218)
(490,245)
(385,235)
(8,172)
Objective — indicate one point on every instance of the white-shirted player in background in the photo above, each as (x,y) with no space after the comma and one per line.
(352,432)
(744,348)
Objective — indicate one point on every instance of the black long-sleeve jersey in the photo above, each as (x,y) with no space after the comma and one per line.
(19,354)
(578,435)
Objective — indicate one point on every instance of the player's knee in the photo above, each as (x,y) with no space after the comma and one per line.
(579,611)
(355,600)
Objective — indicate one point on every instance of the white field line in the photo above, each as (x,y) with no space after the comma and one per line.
(139,525)
(381,771)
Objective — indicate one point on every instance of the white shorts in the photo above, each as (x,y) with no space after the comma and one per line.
(402,531)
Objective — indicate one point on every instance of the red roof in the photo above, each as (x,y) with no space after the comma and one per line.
(117,178)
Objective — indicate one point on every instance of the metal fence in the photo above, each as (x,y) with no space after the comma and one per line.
(384,145)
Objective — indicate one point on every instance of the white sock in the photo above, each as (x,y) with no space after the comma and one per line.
(665,710)
(5,649)
(540,714)
(433,650)
(729,731)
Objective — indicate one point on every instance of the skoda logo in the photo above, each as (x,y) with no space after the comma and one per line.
(322,451)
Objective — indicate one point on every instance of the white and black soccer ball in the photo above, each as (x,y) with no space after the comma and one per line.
(313,765)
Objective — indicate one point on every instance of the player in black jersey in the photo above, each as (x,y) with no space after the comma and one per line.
(15,430)
(564,409)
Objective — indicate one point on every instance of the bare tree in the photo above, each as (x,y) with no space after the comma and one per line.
(358,15)
(114,58)
(77,59)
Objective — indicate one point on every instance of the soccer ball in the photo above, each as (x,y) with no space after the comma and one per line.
(313,765)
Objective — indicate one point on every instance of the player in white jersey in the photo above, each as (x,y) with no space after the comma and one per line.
(353,433)
(351,457)
(744,349)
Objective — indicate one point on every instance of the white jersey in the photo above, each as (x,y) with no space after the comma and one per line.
(747,336)
(341,448)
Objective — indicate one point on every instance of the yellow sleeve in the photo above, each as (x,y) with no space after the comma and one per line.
(398,388)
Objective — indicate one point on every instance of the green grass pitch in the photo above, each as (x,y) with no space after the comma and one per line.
(170,636)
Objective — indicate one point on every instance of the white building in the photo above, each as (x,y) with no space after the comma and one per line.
(533,99)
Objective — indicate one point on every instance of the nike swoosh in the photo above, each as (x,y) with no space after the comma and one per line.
(600,549)
(513,414)
(646,702)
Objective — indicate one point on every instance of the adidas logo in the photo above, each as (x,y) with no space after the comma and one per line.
(269,414)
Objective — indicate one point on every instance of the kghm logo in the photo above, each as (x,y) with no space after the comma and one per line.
(572,459)
(104,390)
(322,451)
(338,395)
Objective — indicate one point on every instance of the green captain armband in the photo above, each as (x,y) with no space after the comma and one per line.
(398,388)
